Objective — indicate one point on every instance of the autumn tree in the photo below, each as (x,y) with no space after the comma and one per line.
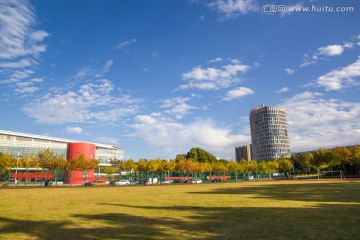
(355,157)
(28,161)
(108,170)
(44,157)
(6,161)
(285,165)
(321,158)
(84,165)
(341,156)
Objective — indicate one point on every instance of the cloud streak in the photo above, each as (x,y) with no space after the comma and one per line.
(91,103)
(20,44)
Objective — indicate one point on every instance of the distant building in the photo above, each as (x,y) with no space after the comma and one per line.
(269,133)
(15,144)
(243,152)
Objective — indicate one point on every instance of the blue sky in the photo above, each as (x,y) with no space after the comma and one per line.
(157,78)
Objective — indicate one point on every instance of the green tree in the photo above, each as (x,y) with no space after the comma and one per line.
(302,162)
(200,155)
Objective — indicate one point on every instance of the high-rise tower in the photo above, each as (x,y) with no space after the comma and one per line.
(269,133)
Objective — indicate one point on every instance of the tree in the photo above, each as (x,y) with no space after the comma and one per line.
(321,158)
(84,165)
(6,161)
(130,166)
(142,167)
(355,156)
(262,167)
(302,161)
(341,156)
(44,157)
(233,167)
(285,165)
(57,162)
(200,155)
(109,171)
(28,161)
(272,166)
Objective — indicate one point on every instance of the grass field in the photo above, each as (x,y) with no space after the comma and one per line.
(325,209)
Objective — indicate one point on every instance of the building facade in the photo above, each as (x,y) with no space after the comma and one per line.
(269,133)
(243,152)
(18,144)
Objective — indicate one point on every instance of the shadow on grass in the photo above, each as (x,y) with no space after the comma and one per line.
(325,221)
(344,192)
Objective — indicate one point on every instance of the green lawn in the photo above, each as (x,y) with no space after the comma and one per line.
(325,209)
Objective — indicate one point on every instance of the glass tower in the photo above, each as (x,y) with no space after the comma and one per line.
(269,133)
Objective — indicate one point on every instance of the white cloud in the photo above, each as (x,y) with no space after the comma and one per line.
(126,43)
(83,73)
(162,133)
(282,90)
(74,130)
(233,8)
(326,51)
(176,106)
(108,65)
(315,121)
(331,50)
(23,63)
(290,71)
(92,102)
(39,35)
(214,78)
(218,59)
(237,93)
(341,78)
(25,90)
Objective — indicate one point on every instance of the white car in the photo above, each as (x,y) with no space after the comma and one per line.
(250,178)
(122,183)
(196,181)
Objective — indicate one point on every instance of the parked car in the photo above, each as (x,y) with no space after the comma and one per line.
(96,183)
(196,180)
(250,178)
(133,182)
(168,182)
(122,183)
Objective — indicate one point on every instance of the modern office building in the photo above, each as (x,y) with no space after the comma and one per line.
(243,152)
(17,144)
(269,133)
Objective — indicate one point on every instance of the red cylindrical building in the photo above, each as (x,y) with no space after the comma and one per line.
(73,151)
